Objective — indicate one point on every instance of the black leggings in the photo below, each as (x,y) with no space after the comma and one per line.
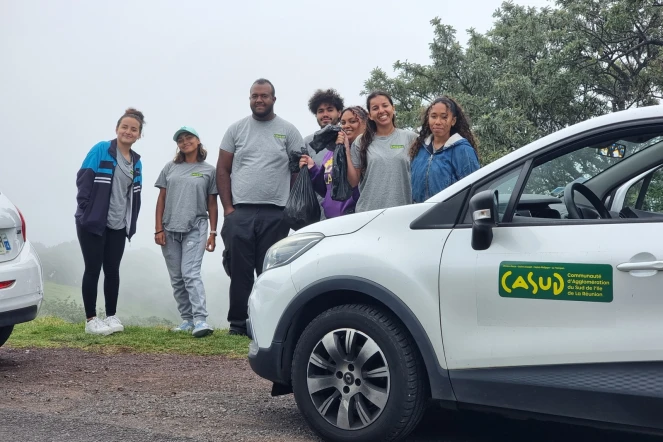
(105,250)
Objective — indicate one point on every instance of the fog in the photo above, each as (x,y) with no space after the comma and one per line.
(70,68)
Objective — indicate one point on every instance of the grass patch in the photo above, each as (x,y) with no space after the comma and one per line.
(52,332)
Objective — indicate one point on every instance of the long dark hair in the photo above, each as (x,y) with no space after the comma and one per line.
(200,156)
(371,129)
(462,126)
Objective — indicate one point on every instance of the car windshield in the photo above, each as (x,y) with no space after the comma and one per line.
(583,164)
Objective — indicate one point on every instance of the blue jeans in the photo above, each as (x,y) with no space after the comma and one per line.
(184,257)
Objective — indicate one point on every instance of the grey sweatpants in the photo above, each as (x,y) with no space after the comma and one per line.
(184,257)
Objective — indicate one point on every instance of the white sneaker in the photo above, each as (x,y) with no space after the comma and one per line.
(113,322)
(96,326)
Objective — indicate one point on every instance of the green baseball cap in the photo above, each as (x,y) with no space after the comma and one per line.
(185,129)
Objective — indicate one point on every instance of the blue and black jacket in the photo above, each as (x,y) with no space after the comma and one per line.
(433,171)
(94,182)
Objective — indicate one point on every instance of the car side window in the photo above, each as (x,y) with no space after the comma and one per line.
(653,201)
(631,198)
(596,166)
(652,198)
(505,185)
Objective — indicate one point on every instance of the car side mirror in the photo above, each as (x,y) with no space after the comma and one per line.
(484,209)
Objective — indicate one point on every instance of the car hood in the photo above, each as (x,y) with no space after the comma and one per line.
(342,225)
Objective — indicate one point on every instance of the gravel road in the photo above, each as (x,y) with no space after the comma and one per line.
(71,395)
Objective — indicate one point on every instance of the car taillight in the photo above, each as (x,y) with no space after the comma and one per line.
(22,224)
(6,284)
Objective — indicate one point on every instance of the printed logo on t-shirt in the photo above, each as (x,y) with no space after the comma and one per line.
(397,146)
(328,169)
(279,136)
(196,174)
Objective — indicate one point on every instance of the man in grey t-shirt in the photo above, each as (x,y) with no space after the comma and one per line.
(327,107)
(254,183)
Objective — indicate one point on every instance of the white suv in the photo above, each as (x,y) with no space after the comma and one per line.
(21,280)
(501,292)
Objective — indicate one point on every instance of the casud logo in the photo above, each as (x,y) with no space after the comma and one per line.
(559,281)
(397,146)
(279,136)
(196,174)
(546,284)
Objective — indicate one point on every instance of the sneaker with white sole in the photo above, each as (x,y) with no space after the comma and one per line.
(185,326)
(114,323)
(202,329)
(96,326)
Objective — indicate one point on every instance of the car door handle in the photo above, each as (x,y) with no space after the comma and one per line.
(647,265)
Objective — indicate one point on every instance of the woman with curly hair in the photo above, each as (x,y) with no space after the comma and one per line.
(380,158)
(353,123)
(445,150)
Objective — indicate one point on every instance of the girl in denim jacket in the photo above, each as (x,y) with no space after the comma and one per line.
(444,152)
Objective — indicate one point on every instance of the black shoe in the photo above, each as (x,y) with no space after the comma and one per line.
(236,331)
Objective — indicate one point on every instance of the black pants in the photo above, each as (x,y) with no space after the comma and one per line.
(101,251)
(247,234)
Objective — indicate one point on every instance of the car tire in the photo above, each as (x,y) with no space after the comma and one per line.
(5,332)
(376,390)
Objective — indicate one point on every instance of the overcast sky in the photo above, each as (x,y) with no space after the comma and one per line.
(70,68)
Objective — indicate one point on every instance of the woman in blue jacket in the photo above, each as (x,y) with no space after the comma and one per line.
(444,152)
(109,185)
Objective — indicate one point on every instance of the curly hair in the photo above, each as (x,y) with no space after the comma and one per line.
(462,126)
(330,96)
(371,129)
(357,111)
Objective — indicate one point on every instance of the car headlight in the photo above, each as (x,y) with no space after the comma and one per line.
(290,248)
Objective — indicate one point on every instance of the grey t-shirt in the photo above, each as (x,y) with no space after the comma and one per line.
(119,210)
(260,173)
(188,186)
(386,182)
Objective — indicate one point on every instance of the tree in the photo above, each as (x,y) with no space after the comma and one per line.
(535,71)
(618,44)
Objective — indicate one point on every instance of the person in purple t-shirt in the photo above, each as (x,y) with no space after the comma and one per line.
(353,123)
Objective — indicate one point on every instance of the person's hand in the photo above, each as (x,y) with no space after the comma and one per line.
(306,160)
(346,142)
(211,243)
(160,238)
(341,138)
(228,211)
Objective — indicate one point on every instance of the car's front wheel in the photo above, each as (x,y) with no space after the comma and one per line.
(358,376)
(5,332)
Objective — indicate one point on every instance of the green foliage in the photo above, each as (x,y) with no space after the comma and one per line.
(65,309)
(618,44)
(536,71)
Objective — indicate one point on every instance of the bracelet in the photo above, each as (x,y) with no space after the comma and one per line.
(160,231)
(212,232)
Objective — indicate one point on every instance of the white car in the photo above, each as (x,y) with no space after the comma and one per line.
(492,295)
(21,280)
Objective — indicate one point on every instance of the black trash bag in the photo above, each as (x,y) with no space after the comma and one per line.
(293,159)
(302,207)
(325,138)
(341,189)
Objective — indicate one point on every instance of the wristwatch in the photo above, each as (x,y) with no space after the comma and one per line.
(213,232)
